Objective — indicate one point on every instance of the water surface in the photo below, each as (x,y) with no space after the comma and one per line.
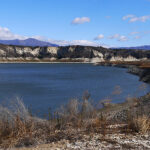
(49,85)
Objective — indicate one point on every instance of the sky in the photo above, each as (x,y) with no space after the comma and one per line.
(110,23)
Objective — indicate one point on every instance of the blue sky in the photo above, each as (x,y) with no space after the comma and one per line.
(87,22)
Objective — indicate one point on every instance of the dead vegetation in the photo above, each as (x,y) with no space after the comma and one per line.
(19,128)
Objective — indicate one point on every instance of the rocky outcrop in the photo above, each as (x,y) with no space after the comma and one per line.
(144,74)
(84,53)
(135,70)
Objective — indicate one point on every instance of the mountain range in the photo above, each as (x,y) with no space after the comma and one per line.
(27,42)
(34,42)
(144,47)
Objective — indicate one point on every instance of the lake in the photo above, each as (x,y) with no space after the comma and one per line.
(46,85)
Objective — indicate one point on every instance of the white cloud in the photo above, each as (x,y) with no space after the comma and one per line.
(115,36)
(76,42)
(81,20)
(128,16)
(6,34)
(38,37)
(83,42)
(141,19)
(137,37)
(134,33)
(118,37)
(100,36)
(146,32)
(122,38)
(133,18)
(58,42)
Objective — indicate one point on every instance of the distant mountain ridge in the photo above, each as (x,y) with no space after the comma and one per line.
(144,47)
(34,42)
(27,42)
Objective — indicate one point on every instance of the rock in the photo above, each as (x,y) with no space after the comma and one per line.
(94,54)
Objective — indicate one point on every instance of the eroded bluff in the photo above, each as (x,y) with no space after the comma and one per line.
(84,53)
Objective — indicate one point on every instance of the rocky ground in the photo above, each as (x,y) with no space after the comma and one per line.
(98,142)
(118,138)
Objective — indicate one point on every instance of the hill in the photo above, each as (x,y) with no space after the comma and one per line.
(27,42)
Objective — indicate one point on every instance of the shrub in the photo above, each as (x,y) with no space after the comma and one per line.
(139,124)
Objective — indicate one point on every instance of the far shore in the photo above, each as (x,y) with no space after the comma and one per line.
(140,64)
(43,62)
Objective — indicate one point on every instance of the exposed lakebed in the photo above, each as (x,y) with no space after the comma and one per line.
(44,86)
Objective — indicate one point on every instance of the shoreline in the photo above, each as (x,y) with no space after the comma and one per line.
(99,130)
(46,62)
(139,68)
(123,64)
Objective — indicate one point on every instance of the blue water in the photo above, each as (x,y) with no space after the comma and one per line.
(43,86)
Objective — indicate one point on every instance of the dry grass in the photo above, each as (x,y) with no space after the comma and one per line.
(140,124)
(138,119)
(15,123)
(19,128)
